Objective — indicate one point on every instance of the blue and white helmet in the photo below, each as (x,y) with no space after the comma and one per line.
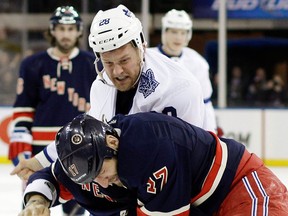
(177,19)
(114,28)
(66,15)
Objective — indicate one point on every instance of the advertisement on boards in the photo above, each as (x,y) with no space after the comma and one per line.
(262,131)
(275,135)
(242,9)
(5,131)
(245,126)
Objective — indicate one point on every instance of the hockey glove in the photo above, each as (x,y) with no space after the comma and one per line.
(18,151)
(20,146)
(220,132)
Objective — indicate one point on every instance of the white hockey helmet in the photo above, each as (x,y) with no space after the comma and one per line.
(114,28)
(177,19)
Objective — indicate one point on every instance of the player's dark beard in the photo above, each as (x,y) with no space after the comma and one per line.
(64,49)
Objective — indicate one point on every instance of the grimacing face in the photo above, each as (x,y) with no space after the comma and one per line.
(108,174)
(66,37)
(122,66)
(175,40)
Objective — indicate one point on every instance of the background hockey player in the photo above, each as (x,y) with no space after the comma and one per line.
(172,167)
(53,87)
(175,36)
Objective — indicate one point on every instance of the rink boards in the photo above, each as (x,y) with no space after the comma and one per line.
(263,131)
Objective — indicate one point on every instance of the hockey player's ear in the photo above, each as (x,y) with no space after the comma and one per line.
(112,142)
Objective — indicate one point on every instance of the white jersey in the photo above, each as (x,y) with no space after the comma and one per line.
(164,87)
(199,67)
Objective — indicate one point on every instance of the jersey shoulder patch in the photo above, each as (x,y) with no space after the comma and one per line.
(148,83)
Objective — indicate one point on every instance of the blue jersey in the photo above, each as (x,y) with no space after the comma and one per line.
(94,198)
(51,92)
(165,163)
(171,163)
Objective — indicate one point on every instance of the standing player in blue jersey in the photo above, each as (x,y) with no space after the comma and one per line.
(175,36)
(53,87)
(170,166)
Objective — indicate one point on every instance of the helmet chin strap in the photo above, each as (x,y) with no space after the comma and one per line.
(100,73)
(141,54)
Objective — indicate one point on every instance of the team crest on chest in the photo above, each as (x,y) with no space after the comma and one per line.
(148,83)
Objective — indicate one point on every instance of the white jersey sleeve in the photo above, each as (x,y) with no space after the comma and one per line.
(48,155)
(200,68)
(43,187)
(210,117)
(102,98)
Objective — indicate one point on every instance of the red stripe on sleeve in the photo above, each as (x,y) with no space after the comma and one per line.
(213,172)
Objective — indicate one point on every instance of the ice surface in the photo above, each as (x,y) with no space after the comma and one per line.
(11,190)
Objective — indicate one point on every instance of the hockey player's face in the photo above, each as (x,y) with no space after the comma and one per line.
(175,40)
(66,36)
(122,66)
(108,174)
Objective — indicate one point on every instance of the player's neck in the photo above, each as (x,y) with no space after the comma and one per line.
(57,52)
(170,52)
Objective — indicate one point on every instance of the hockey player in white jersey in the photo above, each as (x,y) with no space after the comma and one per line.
(133,79)
(176,34)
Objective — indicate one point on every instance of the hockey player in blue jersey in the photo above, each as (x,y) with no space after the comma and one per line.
(53,87)
(170,167)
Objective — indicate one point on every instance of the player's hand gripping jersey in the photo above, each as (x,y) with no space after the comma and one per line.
(163,87)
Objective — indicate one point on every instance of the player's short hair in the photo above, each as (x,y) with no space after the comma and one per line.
(81,147)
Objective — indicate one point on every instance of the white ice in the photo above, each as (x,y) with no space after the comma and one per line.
(11,194)
(11,190)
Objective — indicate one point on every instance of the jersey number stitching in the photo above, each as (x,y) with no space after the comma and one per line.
(171,111)
(160,174)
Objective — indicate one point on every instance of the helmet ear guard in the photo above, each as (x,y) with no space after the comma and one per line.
(81,147)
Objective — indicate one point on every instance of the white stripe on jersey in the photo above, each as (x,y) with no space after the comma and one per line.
(263,192)
(218,176)
(174,212)
(253,195)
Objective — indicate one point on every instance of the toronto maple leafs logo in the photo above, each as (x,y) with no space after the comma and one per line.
(148,83)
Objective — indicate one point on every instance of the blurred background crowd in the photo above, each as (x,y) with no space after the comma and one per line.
(257,60)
